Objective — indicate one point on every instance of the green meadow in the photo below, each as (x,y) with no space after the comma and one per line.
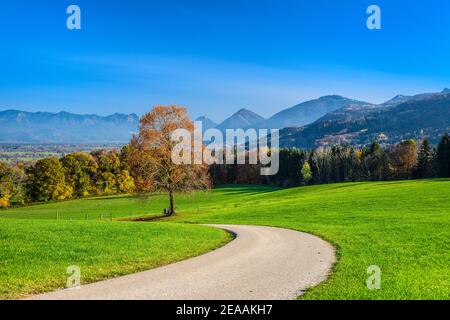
(403,227)
(35,254)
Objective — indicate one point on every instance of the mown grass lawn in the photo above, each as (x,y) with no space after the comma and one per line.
(35,254)
(402,227)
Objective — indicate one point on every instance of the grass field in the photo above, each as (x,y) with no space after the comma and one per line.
(402,227)
(123,206)
(35,254)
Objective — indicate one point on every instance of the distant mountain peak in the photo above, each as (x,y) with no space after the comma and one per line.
(398,99)
(446,90)
(308,112)
(248,113)
(243,110)
(207,123)
(204,118)
(332,96)
(243,118)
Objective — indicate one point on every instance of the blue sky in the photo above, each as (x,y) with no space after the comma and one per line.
(217,56)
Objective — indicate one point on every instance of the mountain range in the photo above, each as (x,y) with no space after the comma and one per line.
(296,116)
(403,117)
(64,127)
(324,121)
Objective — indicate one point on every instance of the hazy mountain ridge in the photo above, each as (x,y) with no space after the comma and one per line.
(64,127)
(296,116)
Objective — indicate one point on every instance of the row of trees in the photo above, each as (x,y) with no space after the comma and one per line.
(405,160)
(73,176)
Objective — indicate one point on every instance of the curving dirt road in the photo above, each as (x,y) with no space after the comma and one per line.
(261,263)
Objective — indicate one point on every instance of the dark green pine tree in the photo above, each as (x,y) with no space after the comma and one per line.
(443,156)
(424,160)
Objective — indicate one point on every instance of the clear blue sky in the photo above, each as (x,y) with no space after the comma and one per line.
(217,56)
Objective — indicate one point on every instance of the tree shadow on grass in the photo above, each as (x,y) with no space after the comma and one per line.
(246,190)
(113,197)
(398,182)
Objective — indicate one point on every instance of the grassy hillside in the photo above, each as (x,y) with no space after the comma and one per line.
(402,227)
(122,206)
(35,254)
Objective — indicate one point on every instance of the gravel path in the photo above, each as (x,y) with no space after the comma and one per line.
(261,263)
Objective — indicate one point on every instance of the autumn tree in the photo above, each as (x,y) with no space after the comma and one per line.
(18,178)
(46,181)
(125,182)
(6,185)
(113,175)
(108,169)
(403,158)
(151,155)
(79,169)
(306,173)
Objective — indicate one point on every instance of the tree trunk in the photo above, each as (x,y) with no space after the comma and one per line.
(172,207)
